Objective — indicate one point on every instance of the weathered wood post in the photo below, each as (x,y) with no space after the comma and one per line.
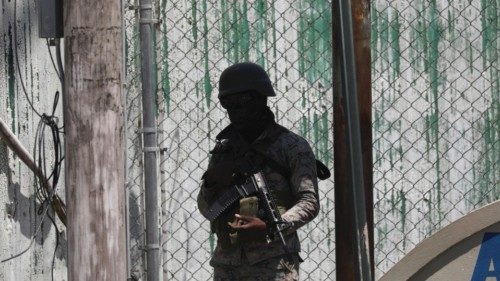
(94,140)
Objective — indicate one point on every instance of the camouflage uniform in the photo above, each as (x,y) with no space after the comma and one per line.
(276,268)
(296,197)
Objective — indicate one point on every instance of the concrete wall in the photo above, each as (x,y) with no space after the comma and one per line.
(18,218)
(436,117)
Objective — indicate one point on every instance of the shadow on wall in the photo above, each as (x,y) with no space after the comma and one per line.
(135,223)
(136,235)
(19,208)
(25,211)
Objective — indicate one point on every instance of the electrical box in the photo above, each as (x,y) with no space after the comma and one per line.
(50,18)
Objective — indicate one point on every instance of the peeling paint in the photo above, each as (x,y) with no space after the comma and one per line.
(262,35)
(395,32)
(9,57)
(235,30)
(315,41)
(435,116)
(402,213)
(165,79)
(194,20)
(206,78)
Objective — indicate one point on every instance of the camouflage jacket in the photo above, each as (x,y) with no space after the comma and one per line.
(297,195)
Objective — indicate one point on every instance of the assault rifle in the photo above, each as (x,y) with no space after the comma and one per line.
(254,185)
(275,223)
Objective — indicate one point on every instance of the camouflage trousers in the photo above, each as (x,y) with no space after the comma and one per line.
(274,269)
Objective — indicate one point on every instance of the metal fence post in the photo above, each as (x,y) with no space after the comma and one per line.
(150,149)
(352,227)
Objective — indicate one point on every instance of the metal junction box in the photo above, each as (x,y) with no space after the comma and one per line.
(50,18)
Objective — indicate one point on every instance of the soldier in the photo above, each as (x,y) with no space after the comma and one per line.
(254,141)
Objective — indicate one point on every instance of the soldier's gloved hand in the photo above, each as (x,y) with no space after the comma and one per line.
(249,225)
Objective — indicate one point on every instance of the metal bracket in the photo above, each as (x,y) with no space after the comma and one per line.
(150,247)
(146,7)
(150,149)
(153,246)
(149,21)
(141,7)
(147,130)
(52,42)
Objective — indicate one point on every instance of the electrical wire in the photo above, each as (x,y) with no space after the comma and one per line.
(52,59)
(32,238)
(59,63)
(50,122)
(39,151)
(58,131)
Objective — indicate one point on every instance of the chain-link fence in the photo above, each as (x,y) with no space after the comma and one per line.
(195,41)
(435,115)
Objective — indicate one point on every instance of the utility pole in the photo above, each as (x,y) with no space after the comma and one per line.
(94,131)
(353,140)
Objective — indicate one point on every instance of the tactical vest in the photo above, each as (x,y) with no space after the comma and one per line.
(232,160)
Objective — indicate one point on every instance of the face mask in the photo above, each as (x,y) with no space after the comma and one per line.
(246,118)
(245,110)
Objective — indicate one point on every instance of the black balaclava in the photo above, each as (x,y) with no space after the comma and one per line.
(248,113)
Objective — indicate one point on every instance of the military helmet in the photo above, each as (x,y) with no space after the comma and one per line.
(245,76)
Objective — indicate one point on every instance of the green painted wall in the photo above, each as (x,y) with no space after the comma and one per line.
(436,119)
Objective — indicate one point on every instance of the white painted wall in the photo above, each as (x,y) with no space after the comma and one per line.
(18,217)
